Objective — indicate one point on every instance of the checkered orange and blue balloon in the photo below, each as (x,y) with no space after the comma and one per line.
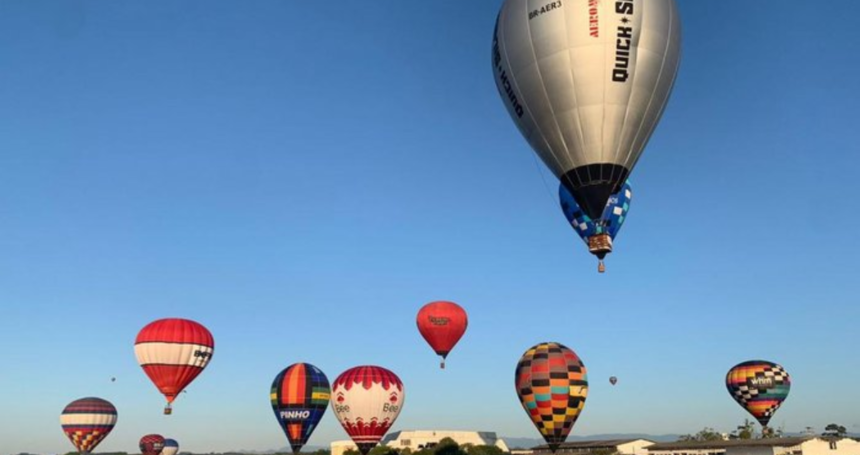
(760,387)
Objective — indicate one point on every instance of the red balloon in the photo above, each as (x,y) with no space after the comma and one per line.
(442,324)
(172,353)
(151,444)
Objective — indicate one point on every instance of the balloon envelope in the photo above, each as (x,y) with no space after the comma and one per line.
(366,401)
(760,387)
(171,447)
(86,422)
(442,324)
(300,395)
(172,352)
(610,221)
(151,444)
(552,384)
(613,380)
(586,84)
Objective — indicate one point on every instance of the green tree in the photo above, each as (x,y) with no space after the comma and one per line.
(448,446)
(834,431)
(604,452)
(383,450)
(745,431)
(706,434)
(351,452)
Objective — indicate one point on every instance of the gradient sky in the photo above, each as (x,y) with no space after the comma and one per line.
(301,177)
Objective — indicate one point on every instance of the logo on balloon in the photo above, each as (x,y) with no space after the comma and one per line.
(762,382)
(296,414)
(544,9)
(441,320)
(593,19)
(206,355)
(390,408)
(623,42)
(503,76)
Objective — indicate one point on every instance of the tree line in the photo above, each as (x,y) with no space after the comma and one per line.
(747,430)
(446,446)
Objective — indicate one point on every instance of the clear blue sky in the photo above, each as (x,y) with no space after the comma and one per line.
(301,177)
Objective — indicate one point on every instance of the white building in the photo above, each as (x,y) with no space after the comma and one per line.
(417,440)
(339,447)
(619,446)
(808,445)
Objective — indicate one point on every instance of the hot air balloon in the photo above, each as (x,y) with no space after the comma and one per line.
(87,422)
(151,444)
(171,447)
(760,387)
(300,396)
(552,385)
(367,400)
(613,380)
(586,83)
(172,353)
(442,324)
(598,234)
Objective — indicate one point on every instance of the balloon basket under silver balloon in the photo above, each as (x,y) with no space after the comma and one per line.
(600,245)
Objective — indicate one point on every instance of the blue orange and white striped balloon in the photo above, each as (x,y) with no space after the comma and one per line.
(300,395)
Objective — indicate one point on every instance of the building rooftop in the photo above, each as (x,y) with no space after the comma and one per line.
(721,444)
(596,444)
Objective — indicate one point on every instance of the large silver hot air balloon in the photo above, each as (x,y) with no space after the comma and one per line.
(586,82)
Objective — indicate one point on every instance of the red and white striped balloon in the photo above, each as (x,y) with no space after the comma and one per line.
(87,422)
(172,352)
(367,400)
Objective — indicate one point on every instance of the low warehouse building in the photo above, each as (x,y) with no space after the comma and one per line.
(619,446)
(807,445)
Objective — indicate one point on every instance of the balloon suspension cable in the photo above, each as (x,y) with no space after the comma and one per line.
(168,410)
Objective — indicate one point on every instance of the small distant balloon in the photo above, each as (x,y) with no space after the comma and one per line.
(613,380)
(171,447)
(151,444)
